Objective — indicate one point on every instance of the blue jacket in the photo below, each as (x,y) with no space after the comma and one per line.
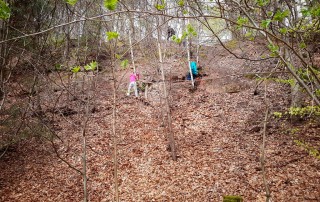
(194,69)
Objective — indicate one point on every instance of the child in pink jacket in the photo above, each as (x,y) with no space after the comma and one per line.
(133,83)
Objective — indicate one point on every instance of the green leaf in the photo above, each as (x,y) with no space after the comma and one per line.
(315,12)
(181,3)
(112,35)
(242,20)
(118,56)
(124,63)
(265,23)
(110,4)
(269,13)
(92,66)
(302,45)
(58,66)
(160,7)
(176,39)
(305,12)
(279,16)
(5,11)
(191,30)
(277,114)
(76,69)
(283,30)
(71,2)
(274,49)
(87,67)
(184,35)
(262,2)
(185,12)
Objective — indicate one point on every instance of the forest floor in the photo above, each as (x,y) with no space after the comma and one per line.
(218,130)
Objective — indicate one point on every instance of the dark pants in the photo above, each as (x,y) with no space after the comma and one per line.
(188,76)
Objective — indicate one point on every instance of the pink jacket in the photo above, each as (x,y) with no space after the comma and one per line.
(134,77)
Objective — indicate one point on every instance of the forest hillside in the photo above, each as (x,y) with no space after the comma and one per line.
(218,130)
(227,106)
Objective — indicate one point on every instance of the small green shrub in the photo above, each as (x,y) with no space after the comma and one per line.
(304,111)
(291,82)
(277,114)
(301,112)
(232,199)
(311,150)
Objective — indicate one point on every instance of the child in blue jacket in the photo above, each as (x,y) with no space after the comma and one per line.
(194,70)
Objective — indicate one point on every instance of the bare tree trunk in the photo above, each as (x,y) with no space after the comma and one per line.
(266,186)
(130,42)
(198,41)
(115,138)
(3,58)
(188,52)
(169,121)
(84,152)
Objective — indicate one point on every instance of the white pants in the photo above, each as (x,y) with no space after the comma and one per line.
(134,85)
